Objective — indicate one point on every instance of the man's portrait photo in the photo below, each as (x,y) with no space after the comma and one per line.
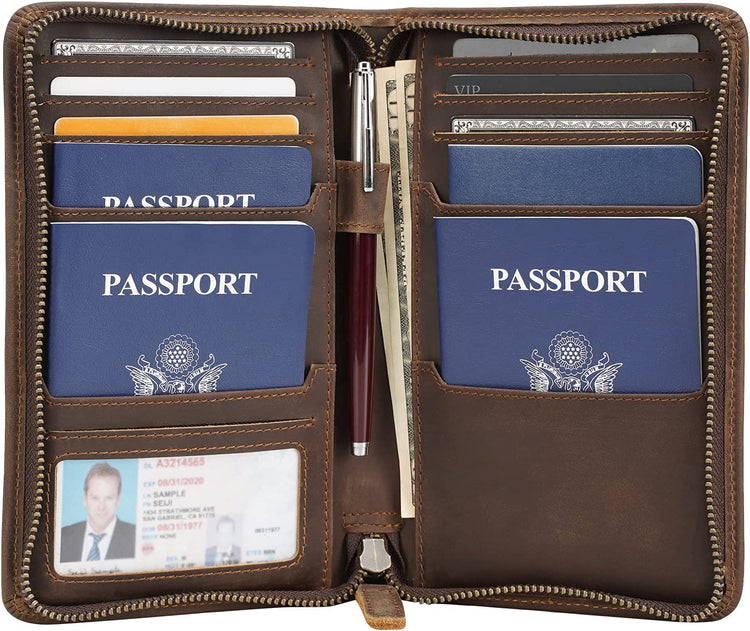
(225,535)
(102,535)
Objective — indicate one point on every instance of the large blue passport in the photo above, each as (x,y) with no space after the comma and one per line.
(575,175)
(569,304)
(177,307)
(112,175)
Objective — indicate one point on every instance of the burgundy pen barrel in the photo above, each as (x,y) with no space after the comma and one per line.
(361,337)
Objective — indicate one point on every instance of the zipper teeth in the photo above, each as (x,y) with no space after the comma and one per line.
(346,592)
(641,605)
(339,595)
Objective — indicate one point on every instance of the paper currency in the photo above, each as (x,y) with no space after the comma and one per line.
(405,78)
(173,513)
(393,280)
(394,90)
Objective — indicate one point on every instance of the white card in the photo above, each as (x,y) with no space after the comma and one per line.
(173,86)
(125,515)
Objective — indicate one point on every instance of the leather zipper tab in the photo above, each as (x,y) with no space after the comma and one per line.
(381,606)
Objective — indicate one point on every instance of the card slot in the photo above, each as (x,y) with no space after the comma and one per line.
(166,61)
(575,98)
(319,203)
(290,139)
(147,413)
(701,67)
(183,450)
(617,483)
(574,61)
(439,208)
(431,165)
(310,112)
(698,139)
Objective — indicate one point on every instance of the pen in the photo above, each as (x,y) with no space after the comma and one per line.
(362,248)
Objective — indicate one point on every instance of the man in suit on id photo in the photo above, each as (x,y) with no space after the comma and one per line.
(102,536)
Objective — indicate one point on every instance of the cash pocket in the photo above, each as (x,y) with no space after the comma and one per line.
(181,486)
(605,492)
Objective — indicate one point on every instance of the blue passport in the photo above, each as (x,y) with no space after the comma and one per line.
(575,175)
(177,307)
(111,175)
(569,304)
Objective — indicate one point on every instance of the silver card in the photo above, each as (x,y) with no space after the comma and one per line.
(156,48)
(467,124)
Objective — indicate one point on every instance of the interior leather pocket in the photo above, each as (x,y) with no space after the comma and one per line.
(182,437)
(605,492)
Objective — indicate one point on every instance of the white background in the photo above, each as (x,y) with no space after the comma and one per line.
(419,617)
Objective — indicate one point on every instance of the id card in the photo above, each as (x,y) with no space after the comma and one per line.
(119,516)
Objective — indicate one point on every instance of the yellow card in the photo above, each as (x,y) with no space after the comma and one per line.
(276,125)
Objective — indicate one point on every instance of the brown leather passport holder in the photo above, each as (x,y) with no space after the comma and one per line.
(619,504)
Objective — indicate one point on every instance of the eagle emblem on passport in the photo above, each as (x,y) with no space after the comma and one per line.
(569,367)
(177,370)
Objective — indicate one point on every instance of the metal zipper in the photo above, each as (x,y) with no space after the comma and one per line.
(289,599)
(430,596)
(346,591)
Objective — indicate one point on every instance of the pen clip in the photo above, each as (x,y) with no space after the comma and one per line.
(363,123)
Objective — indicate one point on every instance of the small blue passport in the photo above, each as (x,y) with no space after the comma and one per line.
(569,304)
(112,175)
(575,175)
(177,307)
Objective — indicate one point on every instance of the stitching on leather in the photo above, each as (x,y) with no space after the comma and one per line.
(326,487)
(453,209)
(329,106)
(115,434)
(449,61)
(401,16)
(442,136)
(441,98)
(380,512)
(250,101)
(354,224)
(299,63)
(344,166)
(309,208)
(503,394)
(145,140)
(418,94)
(275,395)
(178,573)
(374,525)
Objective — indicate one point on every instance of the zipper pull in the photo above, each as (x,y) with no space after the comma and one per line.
(381,605)
(374,557)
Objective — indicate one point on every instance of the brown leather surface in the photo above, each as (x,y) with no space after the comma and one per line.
(514,488)
(359,211)
(381,606)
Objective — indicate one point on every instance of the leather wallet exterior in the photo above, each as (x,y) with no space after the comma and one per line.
(621,504)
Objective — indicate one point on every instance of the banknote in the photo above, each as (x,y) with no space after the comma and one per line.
(389,148)
(126,515)
(384,84)
(466,124)
(405,92)
(155,48)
